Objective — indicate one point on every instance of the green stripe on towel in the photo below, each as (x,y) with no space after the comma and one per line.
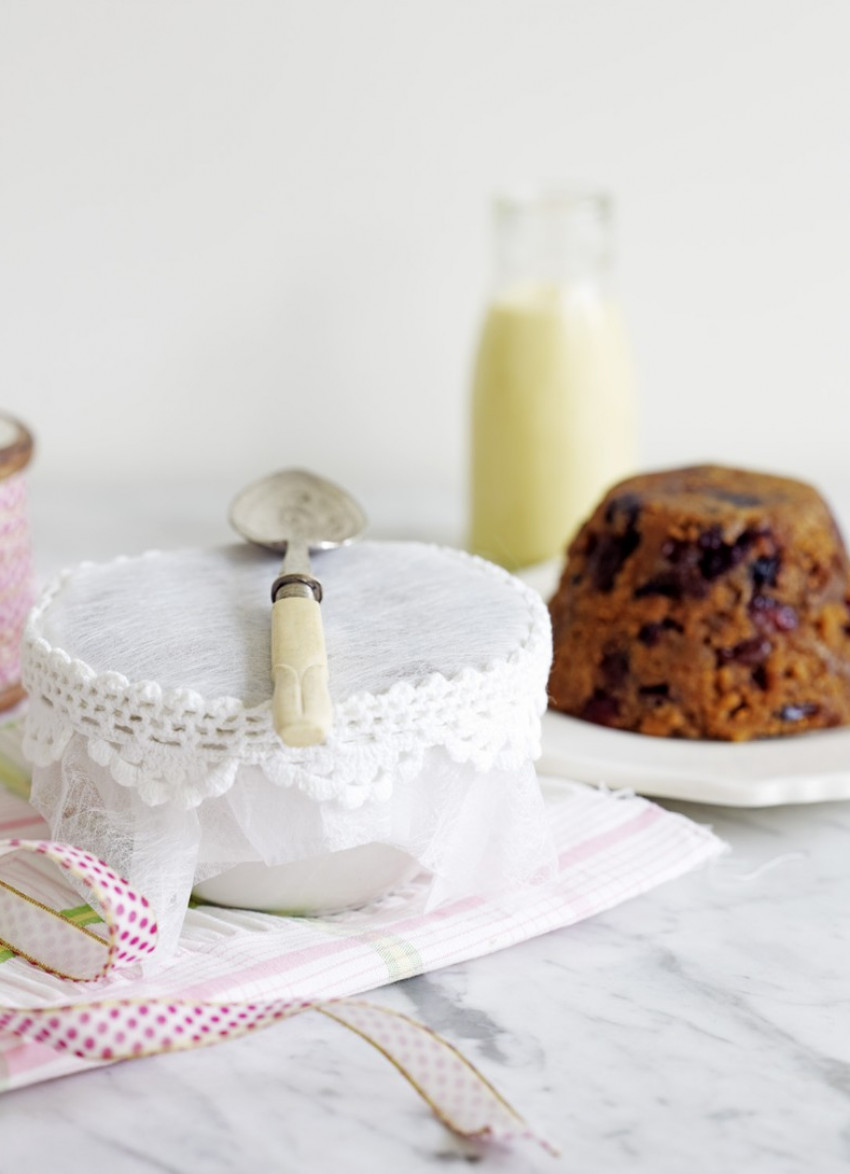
(14,772)
(79,915)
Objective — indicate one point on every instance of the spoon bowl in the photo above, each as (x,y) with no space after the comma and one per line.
(295,505)
(293,512)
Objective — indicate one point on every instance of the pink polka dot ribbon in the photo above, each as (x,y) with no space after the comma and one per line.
(42,935)
(104,1030)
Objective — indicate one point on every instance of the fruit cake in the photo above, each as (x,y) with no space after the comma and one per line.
(705,602)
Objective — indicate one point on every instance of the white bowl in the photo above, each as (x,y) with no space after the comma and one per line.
(322,884)
(153,746)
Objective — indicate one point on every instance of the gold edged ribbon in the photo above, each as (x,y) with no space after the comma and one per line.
(107,1030)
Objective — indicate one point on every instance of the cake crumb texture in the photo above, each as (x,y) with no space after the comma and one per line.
(705,602)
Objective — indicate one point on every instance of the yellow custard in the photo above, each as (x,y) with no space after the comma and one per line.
(553,420)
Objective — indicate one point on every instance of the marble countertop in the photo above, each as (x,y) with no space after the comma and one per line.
(702,1027)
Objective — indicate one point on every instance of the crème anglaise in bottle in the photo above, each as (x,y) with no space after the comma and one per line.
(553,418)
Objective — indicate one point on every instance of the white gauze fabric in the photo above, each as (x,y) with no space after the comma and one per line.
(149,723)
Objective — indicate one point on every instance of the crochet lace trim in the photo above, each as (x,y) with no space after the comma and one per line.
(175,746)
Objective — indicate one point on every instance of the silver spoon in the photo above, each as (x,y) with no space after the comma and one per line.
(294,512)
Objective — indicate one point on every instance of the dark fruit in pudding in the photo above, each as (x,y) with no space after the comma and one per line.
(705,603)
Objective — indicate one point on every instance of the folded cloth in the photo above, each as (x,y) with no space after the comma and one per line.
(610,847)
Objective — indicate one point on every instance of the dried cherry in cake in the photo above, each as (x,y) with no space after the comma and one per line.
(705,602)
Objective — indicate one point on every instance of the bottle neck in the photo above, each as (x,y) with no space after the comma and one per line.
(558,240)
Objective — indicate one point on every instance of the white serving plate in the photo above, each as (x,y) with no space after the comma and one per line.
(801,768)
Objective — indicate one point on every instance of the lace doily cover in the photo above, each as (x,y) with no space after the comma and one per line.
(149,724)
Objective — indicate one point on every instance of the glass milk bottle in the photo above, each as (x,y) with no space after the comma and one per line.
(553,420)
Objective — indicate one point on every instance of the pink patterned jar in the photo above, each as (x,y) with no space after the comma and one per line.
(16,581)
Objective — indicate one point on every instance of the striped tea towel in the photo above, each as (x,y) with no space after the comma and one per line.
(610,847)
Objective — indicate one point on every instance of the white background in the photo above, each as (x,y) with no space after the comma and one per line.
(240,235)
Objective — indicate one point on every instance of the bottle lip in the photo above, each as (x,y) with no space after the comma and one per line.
(553,196)
(557,234)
